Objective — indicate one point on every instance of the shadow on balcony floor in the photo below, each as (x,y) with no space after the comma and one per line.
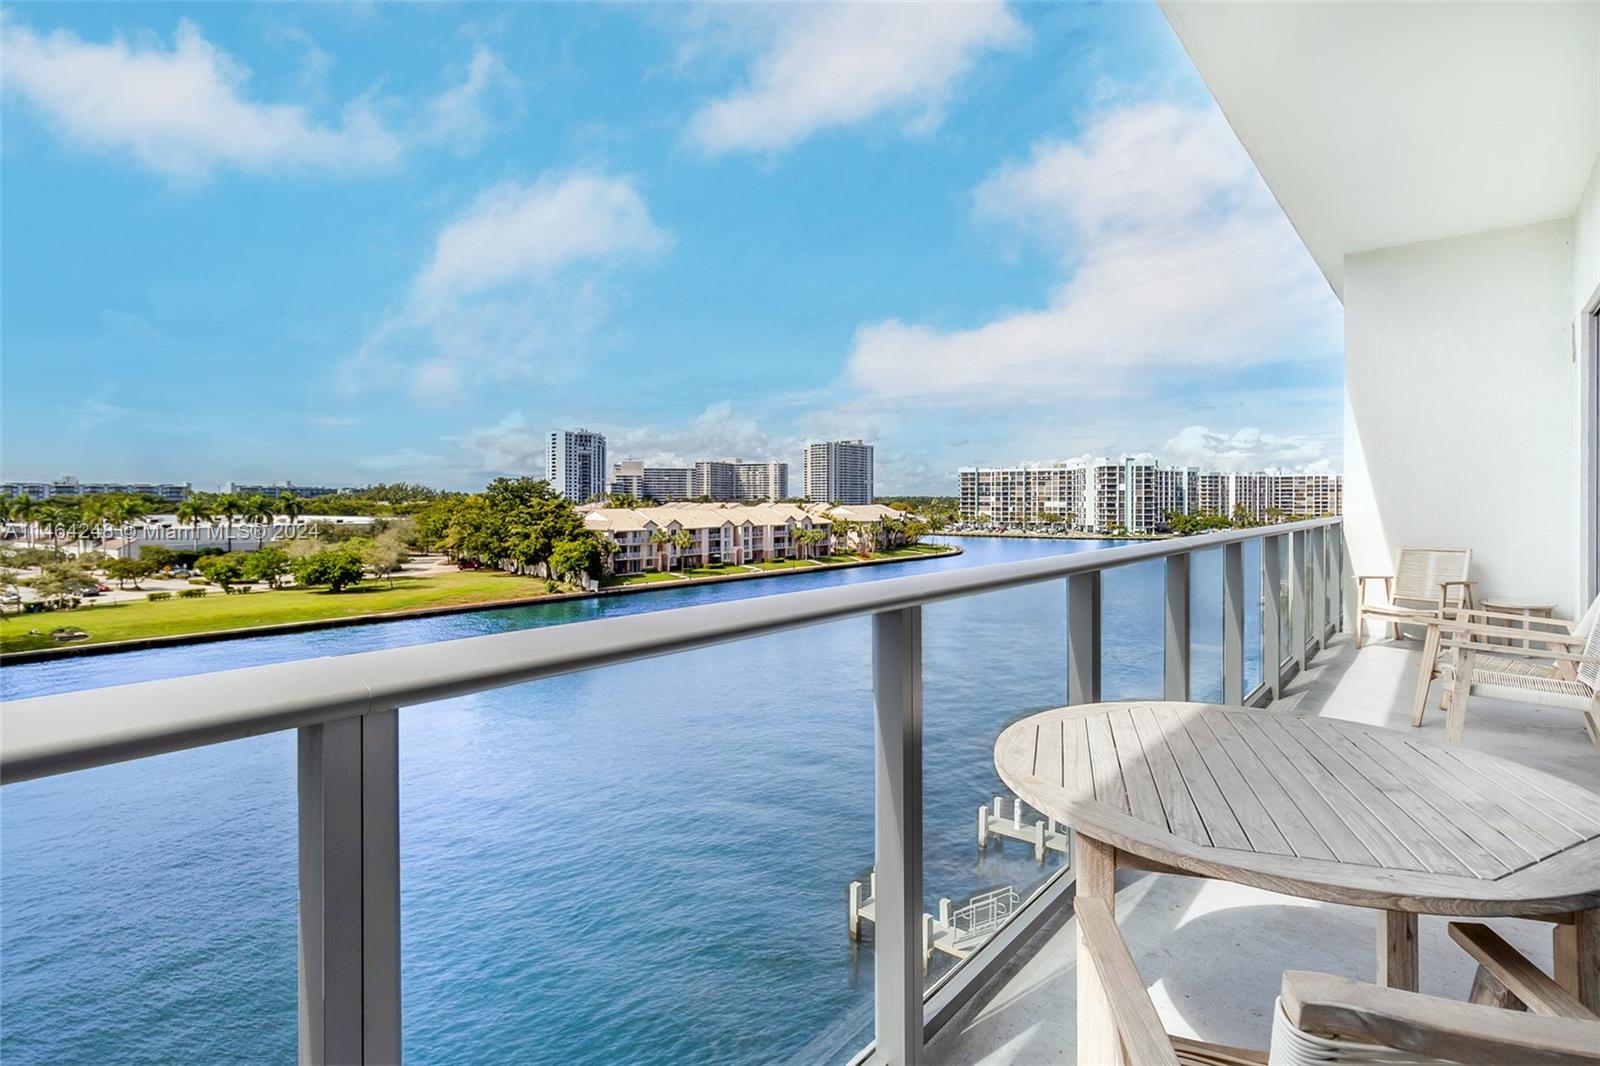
(1213,953)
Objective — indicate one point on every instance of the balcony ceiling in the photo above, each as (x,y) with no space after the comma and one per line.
(1378,125)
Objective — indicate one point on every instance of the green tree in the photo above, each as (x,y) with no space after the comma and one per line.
(230,507)
(267,563)
(576,555)
(56,519)
(225,570)
(384,555)
(124,570)
(608,552)
(291,506)
(337,568)
(683,540)
(659,539)
(62,582)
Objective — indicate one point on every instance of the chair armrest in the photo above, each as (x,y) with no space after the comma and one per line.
(1520,976)
(1340,1008)
(1447,625)
(1512,616)
(1513,649)
(1138,1024)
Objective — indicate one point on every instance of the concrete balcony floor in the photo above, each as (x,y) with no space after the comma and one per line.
(1212,953)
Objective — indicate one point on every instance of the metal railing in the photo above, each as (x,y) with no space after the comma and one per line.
(345,709)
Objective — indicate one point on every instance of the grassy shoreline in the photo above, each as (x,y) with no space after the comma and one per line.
(216,616)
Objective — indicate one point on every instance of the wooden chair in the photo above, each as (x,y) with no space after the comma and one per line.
(1559,633)
(1320,1018)
(1425,582)
(1563,673)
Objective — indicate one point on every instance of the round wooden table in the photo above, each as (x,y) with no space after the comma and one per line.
(1530,610)
(1317,808)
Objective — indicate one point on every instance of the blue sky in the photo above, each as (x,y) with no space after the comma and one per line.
(347,242)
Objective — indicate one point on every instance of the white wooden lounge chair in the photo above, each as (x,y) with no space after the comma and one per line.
(1330,1020)
(1563,674)
(1425,582)
(1557,633)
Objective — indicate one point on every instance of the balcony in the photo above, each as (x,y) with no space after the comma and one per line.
(1214,952)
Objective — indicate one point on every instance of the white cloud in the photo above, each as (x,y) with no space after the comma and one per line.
(1246,449)
(717,432)
(460,115)
(824,66)
(512,288)
(185,111)
(1174,257)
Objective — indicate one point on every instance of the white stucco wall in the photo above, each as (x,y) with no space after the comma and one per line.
(1586,244)
(1460,422)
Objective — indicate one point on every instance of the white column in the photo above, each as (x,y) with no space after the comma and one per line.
(350,891)
(1233,624)
(1176,658)
(897,691)
(1083,637)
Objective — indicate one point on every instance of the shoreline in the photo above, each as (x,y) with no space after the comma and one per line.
(1027,535)
(178,640)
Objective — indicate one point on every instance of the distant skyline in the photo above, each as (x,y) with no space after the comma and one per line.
(359,243)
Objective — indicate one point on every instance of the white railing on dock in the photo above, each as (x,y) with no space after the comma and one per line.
(345,709)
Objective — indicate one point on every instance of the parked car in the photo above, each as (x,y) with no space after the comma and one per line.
(103,587)
(92,592)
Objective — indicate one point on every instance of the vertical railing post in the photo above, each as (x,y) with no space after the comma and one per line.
(897,695)
(350,890)
(1272,614)
(1319,589)
(1297,598)
(1176,683)
(1083,637)
(1347,584)
(1233,624)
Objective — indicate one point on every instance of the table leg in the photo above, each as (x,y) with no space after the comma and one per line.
(1097,1028)
(1577,957)
(1397,950)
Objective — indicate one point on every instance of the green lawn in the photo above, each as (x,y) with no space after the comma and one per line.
(648,577)
(785,564)
(216,611)
(721,570)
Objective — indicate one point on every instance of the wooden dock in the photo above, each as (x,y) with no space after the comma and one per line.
(956,930)
(1044,834)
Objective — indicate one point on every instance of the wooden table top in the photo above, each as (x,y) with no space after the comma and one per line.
(1312,807)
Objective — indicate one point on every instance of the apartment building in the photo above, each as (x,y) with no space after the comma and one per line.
(71,486)
(578,463)
(1137,493)
(839,471)
(722,533)
(282,488)
(728,480)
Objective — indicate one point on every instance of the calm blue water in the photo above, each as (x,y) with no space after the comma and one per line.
(643,863)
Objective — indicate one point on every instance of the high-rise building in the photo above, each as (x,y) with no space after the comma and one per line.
(578,463)
(839,471)
(763,481)
(1137,494)
(166,492)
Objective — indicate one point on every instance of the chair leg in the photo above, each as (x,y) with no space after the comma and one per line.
(1430,654)
(1455,717)
(1361,626)
(1591,724)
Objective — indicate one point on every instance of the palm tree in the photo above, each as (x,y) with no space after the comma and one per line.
(201,507)
(683,540)
(22,508)
(123,512)
(660,538)
(229,507)
(259,507)
(93,513)
(53,517)
(291,506)
(609,548)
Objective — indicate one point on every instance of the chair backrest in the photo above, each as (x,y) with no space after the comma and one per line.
(1589,672)
(1585,624)
(1418,573)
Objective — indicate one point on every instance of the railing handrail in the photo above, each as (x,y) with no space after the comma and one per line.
(55,734)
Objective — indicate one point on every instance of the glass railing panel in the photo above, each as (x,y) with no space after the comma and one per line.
(587,858)
(1205,626)
(1252,615)
(1131,631)
(987,661)
(150,907)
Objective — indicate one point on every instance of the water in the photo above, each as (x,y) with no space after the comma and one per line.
(643,863)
